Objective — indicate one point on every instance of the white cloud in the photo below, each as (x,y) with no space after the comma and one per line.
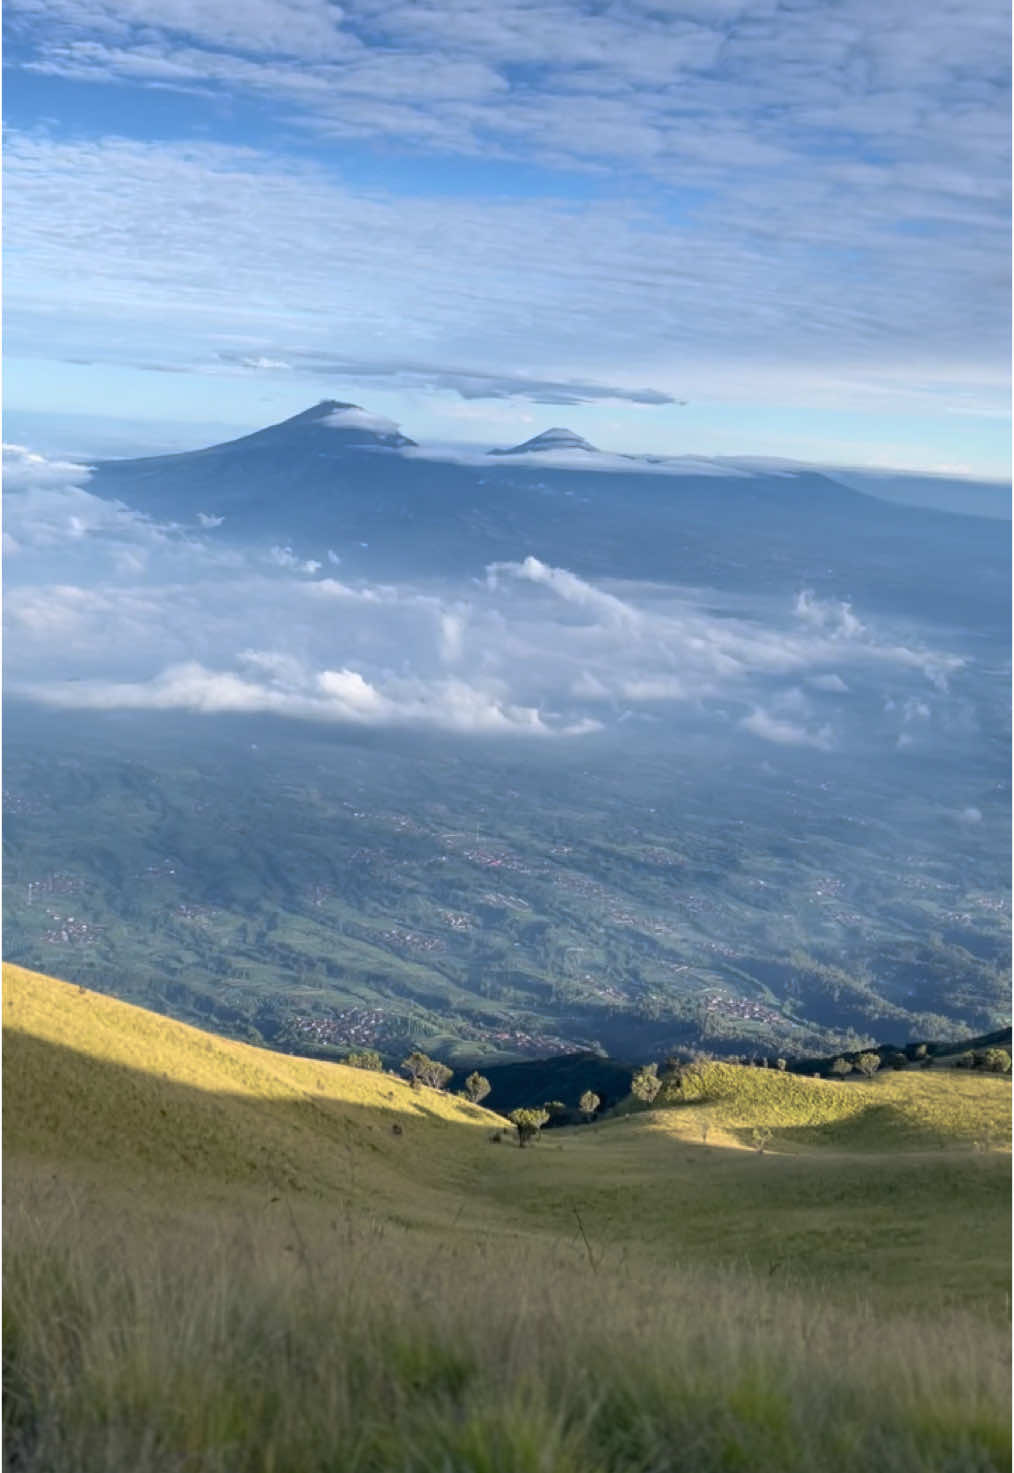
(569,587)
(836,617)
(785,733)
(284,557)
(342,696)
(104,608)
(750,294)
(360,419)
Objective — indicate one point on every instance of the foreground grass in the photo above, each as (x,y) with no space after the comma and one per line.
(220,1260)
(288,1339)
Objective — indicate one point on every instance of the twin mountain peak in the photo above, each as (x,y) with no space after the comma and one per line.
(354,422)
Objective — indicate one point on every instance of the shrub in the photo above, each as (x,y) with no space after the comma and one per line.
(868,1064)
(995,1060)
(841,1067)
(761,1137)
(477,1087)
(918,1050)
(645,1084)
(588,1104)
(366,1058)
(421,1069)
(965,1060)
(898,1060)
(528,1123)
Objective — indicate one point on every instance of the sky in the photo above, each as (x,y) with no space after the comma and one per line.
(772,227)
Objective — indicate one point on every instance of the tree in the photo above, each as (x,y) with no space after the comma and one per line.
(841,1067)
(645,1084)
(366,1058)
(868,1064)
(996,1060)
(918,1050)
(782,1064)
(421,1069)
(965,1060)
(683,1075)
(555,1108)
(588,1104)
(477,1087)
(898,1060)
(527,1123)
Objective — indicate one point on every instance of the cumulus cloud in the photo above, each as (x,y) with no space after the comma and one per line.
(342,696)
(569,587)
(785,733)
(104,608)
(284,557)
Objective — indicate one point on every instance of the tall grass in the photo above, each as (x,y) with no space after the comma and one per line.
(287,1338)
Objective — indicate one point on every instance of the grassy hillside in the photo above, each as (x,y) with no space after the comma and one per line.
(904,1110)
(219,1258)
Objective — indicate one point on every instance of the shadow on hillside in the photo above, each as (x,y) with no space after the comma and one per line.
(63,1104)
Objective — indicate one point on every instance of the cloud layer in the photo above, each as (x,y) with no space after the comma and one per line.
(105,609)
(631,203)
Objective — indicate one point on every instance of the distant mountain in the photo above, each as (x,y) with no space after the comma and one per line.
(338,479)
(554,439)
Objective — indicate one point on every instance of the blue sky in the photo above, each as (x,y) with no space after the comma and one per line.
(715,226)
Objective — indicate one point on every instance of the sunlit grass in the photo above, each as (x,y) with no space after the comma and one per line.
(219,1258)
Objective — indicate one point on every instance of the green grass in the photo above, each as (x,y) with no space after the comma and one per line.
(223,1260)
(903,1109)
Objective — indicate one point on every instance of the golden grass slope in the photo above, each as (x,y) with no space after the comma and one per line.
(91,1079)
(911,1109)
(226,1260)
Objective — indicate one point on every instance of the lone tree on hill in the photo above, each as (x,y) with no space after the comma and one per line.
(477,1087)
(841,1067)
(588,1104)
(421,1069)
(868,1064)
(527,1123)
(646,1084)
(366,1058)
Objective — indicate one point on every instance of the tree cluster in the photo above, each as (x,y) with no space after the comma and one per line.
(421,1069)
(366,1058)
(991,1060)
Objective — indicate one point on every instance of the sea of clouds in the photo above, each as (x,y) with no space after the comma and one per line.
(107,609)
